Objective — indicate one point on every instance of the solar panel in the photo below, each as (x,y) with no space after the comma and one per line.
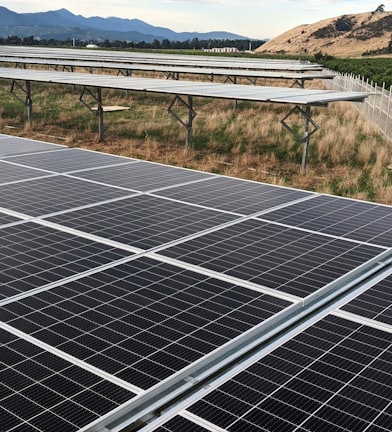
(215,90)
(358,220)
(333,376)
(294,261)
(143,221)
(43,392)
(6,219)
(375,303)
(141,321)
(11,173)
(33,256)
(49,195)
(68,160)
(155,280)
(234,195)
(143,176)
(13,145)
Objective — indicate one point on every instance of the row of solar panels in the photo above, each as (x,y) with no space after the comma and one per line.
(172,299)
(157,59)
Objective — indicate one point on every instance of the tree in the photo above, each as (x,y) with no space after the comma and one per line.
(380,9)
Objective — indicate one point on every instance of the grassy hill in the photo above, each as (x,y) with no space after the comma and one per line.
(342,36)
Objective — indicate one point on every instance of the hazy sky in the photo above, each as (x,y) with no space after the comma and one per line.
(256,19)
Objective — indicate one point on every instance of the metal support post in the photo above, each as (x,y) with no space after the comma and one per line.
(98,112)
(299,82)
(305,139)
(27,100)
(191,115)
(172,75)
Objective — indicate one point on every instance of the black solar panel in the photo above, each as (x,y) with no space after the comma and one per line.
(13,145)
(141,321)
(53,194)
(43,392)
(7,219)
(286,259)
(235,195)
(13,173)
(199,292)
(143,176)
(68,160)
(375,303)
(333,376)
(356,220)
(143,221)
(33,255)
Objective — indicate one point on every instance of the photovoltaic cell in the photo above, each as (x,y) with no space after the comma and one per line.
(48,195)
(333,376)
(141,321)
(13,145)
(143,221)
(41,392)
(33,255)
(68,160)
(375,303)
(234,195)
(143,176)
(283,258)
(356,220)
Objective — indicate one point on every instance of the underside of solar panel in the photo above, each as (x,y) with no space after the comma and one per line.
(137,296)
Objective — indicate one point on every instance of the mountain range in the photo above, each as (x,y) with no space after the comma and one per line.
(62,24)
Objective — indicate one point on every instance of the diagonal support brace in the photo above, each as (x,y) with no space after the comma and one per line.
(26,101)
(99,111)
(305,139)
(191,115)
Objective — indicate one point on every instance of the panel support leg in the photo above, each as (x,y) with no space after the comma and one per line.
(27,100)
(98,112)
(308,132)
(189,120)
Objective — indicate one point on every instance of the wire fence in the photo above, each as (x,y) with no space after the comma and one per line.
(377,108)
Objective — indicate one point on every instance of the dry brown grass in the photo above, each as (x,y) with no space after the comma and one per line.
(347,156)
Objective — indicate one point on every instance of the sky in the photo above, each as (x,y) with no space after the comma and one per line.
(256,19)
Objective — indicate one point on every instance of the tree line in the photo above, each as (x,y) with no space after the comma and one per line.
(190,44)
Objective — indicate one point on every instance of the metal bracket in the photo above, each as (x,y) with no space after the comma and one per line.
(26,101)
(298,82)
(99,111)
(172,75)
(191,115)
(305,139)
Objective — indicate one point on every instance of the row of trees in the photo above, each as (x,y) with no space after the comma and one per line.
(195,43)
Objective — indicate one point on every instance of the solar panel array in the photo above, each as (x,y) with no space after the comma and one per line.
(238,305)
(148,58)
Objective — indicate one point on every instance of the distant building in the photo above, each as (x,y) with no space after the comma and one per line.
(221,50)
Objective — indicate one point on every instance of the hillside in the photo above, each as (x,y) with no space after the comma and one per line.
(342,36)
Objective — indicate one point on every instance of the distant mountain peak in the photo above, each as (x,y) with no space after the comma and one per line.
(60,24)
